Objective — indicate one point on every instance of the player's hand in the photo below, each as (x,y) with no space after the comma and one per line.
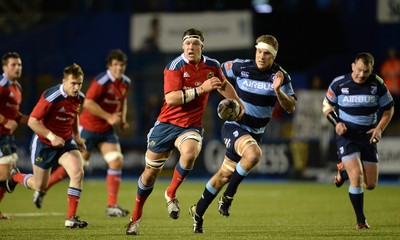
(115,118)
(57,142)
(124,125)
(376,135)
(81,147)
(340,128)
(242,110)
(11,125)
(212,84)
(278,80)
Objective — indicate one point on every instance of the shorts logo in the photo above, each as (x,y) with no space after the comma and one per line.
(235,133)
(152,143)
(38,159)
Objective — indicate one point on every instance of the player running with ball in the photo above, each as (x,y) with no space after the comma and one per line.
(260,83)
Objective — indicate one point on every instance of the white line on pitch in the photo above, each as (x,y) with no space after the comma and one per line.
(34,214)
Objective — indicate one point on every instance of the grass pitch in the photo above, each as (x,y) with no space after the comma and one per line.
(261,210)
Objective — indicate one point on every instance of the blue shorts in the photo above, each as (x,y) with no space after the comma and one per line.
(92,139)
(162,136)
(45,156)
(230,134)
(7,145)
(352,142)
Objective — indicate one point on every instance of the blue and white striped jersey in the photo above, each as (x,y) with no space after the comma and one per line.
(358,104)
(255,89)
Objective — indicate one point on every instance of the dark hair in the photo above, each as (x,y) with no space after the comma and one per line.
(8,56)
(75,70)
(366,58)
(116,54)
(194,31)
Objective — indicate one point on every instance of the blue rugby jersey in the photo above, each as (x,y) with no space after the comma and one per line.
(358,104)
(255,89)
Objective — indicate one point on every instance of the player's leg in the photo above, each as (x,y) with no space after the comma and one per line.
(213,186)
(354,169)
(159,148)
(73,163)
(146,181)
(189,146)
(114,158)
(5,167)
(248,149)
(371,173)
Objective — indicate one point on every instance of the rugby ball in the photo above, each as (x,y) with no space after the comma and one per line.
(228,109)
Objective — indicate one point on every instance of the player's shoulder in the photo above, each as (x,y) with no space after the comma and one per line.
(276,67)
(237,65)
(340,80)
(4,81)
(127,80)
(211,61)
(53,94)
(81,96)
(377,79)
(103,79)
(176,64)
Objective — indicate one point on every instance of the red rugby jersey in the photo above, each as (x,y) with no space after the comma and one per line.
(180,74)
(10,101)
(110,94)
(58,111)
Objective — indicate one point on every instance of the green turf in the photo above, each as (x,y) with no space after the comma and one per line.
(261,210)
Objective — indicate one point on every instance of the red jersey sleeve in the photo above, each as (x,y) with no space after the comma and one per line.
(95,90)
(41,109)
(172,80)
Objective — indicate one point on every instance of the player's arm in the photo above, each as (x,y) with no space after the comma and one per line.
(41,130)
(288,103)
(333,118)
(22,118)
(77,135)
(124,123)
(378,130)
(95,109)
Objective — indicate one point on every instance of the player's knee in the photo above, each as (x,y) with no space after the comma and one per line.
(190,151)
(14,158)
(189,155)
(155,164)
(370,186)
(77,175)
(114,156)
(7,159)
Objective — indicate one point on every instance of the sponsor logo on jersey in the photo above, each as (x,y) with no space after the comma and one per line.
(61,109)
(258,85)
(345,90)
(360,99)
(244,74)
